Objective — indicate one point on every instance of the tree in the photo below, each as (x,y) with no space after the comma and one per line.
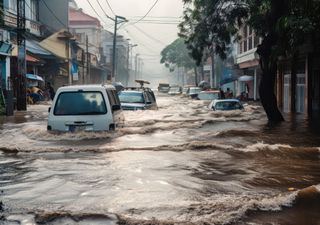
(283,26)
(177,55)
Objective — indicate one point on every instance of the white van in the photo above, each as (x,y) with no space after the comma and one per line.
(85,108)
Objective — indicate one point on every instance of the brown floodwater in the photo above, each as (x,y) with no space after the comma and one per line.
(181,164)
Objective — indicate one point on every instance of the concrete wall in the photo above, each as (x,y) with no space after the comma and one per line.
(59,8)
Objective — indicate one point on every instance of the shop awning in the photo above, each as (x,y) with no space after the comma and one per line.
(33,77)
(34,47)
(30,58)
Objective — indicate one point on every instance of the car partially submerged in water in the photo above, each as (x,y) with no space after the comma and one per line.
(225,105)
(208,95)
(193,92)
(137,99)
(175,90)
(85,108)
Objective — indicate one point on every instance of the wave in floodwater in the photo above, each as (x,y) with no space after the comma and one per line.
(218,209)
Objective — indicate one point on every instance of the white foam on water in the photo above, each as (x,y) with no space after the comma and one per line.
(225,209)
(262,146)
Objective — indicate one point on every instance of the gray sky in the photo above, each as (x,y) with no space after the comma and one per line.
(151,35)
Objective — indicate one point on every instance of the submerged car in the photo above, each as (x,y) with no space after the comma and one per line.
(163,87)
(193,92)
(137,99)
(225,104)
(85,108)
(175,90)
(209,95)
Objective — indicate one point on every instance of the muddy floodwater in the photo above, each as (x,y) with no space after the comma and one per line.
(180,164)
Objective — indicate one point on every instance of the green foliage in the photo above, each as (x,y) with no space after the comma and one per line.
(211,24)
(176,54)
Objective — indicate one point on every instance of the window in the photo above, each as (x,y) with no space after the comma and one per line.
(11,5)
(131,97)
(34,8)
(249,40)
(80,103)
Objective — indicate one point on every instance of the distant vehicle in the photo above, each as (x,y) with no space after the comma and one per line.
(138,98)
(185,90)
(193,92)
(175,90)
(225,104)
(208,95)
(85,108)
(163,87)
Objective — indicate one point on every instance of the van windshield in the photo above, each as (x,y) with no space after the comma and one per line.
(80,103)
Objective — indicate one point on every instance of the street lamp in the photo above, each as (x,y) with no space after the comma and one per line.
(121,20)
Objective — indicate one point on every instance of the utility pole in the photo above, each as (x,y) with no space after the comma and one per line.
(21,76)
(122,19)
(136,66)
(88,60)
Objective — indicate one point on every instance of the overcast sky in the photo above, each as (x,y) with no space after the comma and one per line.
(152,34)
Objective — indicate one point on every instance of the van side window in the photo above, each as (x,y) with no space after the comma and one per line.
(111,97)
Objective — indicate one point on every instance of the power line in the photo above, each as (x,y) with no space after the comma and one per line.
(110,7)
(149,36)
(95,11)
(55,16)
(140,43)
(154,4)
(103,10)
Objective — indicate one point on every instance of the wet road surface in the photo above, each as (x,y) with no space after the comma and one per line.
(181,164)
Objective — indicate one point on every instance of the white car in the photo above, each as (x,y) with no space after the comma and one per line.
(225,104)
(85,108)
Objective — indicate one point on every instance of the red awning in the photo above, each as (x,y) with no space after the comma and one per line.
(30,58)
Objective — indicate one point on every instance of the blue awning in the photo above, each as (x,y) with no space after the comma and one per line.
(35,48)
(33,77)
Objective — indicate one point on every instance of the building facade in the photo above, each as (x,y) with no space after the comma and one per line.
(248,63)
(87,32)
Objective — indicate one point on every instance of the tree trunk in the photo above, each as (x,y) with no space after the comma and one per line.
(268,64)
(195,76)
(267,96)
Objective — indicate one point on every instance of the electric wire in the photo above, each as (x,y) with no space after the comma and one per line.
(154,4)
(55,16)
(95,11)
(149,36)
(103,10)
(110,7)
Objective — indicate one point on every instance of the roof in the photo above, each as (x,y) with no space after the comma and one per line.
(35,48)
(78,17)
(226,100)
(133,91)
(210,91)
(86,87)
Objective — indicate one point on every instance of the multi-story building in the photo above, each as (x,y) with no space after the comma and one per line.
(41,18)
(87,32)
(248,62)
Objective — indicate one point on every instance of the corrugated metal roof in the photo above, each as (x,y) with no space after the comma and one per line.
(35,48)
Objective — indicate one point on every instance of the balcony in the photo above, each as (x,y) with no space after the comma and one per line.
(10,19)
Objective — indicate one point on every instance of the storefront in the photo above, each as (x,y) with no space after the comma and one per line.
(292,90)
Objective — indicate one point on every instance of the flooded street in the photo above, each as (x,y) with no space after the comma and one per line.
(181,164)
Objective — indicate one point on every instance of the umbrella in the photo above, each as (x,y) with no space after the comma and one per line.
(33,77)
(204,84)
(245,78)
